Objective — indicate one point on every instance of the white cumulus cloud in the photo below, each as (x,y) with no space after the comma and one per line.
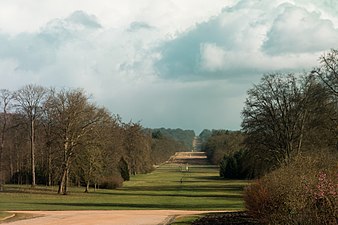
(248,38)
(297,30)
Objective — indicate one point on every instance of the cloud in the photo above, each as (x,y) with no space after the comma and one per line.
(33,51)
(181,56)
(297,30)
(170,16)
(136,26)
(170,63)
(82,19)
(249,38)
(75,51)
(212,57)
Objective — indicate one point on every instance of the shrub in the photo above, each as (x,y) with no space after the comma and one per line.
(322,195)
(111,182)
(232,167)
(124,169)
(303,192)
(258,201)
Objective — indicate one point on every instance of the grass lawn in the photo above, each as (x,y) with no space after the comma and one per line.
(201,189)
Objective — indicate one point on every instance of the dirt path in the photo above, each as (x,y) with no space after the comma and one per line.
(111,217)
(191,158)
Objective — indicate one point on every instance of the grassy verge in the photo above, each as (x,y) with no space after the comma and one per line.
(4,215)
(14,217)
(185,220)
(200,189)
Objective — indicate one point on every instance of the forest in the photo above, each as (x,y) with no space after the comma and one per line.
(61,137)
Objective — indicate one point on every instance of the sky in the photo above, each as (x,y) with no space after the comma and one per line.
(164,63)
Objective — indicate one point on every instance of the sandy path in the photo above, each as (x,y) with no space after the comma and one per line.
(111,217)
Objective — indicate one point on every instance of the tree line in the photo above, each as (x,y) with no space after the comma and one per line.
(226,149)
(286,115)
(185,137)
(61,137)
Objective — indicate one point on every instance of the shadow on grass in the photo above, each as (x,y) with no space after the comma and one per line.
(159,194)
(208,178)
(183,206)
(30,190)
(189,188)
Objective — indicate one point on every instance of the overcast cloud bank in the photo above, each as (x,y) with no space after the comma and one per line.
(169,70)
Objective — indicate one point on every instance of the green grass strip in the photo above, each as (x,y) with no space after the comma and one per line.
(186,220)
(200,189)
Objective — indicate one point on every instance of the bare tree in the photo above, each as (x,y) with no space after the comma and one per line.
(50,139)
(91,164)
(90,161)
(17,152)
(328,71)
(137,146)
(275,116)
(29,102)
(68,138)
(75,118)
(5,100)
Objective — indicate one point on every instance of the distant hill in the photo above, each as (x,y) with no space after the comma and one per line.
(186,137)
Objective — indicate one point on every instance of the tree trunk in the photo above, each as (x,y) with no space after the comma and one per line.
(1,166)
(300,142)
(62,181)
(49,166)
(18,166)
(2,146)
(65,187)
(63,178)
(11,166)
(63,184)
(87,187)
(5,98)
(33,152)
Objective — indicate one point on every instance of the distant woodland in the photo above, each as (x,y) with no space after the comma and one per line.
(185,137)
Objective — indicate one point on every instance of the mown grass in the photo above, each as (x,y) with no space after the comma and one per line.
(186,220)
(201,189)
